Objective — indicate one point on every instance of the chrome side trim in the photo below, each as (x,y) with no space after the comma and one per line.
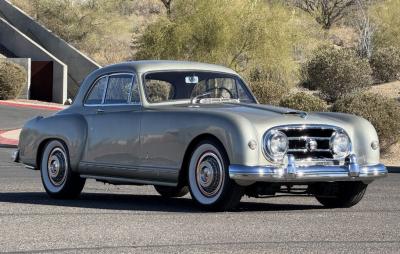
(121,180)
(351,171)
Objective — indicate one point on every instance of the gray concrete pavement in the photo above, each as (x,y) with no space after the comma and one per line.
(135,219)
(15,117)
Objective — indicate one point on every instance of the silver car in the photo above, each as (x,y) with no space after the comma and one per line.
(184,126)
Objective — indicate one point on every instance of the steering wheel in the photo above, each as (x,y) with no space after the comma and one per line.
(221,88)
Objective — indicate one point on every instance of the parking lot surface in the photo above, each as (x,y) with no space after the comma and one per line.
(135,219)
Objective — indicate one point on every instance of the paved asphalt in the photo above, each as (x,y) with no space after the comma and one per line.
(15,117)
(135,219)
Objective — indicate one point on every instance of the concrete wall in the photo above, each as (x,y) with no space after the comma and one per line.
(22,46)
(26,63)
(78,64)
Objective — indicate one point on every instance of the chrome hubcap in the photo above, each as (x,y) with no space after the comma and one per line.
(209,174)
(57,166)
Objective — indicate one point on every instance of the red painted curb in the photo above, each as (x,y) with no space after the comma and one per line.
(33,106)
(7,141)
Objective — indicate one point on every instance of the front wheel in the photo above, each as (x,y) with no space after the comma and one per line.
(341,194)
(57,178)
(209,182)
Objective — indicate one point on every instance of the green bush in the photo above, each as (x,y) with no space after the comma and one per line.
(267,92)
(303,101)
(385,16)
(382,112)
(12,80)
(385,63)
(337,72)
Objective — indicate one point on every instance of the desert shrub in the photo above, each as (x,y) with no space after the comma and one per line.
(337,72)
(385,63)
(268,92)
(303,101)
(383,113)
(12,80)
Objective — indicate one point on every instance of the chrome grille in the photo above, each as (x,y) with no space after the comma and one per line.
(309,142)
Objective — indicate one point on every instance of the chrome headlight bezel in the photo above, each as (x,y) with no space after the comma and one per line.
(337,151)
(268,141)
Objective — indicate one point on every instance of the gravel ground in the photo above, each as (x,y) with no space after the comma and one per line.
(136,220)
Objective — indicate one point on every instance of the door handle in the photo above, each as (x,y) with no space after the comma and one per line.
(100,111)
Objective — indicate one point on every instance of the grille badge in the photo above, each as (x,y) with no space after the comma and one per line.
(311,145)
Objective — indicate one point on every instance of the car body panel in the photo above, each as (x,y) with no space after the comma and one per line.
(147,143)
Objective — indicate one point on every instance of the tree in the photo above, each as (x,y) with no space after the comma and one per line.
(365,29)
(167,4)
(325,12)
(241,34)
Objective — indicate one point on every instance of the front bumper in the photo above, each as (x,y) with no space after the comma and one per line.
(350,171)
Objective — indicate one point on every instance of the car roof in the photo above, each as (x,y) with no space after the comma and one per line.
(167,65)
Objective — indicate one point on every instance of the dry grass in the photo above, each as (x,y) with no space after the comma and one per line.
(389,90)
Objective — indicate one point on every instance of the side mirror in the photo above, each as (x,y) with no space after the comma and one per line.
(68,101)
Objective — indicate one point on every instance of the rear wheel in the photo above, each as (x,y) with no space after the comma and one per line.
(340,194)
(57,178)
(171,192)
(209,182)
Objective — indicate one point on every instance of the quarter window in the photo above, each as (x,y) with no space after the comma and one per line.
(97,93)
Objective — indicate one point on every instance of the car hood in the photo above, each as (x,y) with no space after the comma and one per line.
(266,116)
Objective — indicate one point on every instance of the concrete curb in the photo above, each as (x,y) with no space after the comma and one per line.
(9,138)
(31,105)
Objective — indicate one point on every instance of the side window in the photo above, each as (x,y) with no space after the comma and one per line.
(243,95)
(97,92)
(118,89)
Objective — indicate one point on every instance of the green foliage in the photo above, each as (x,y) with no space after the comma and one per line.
(267,92)
(385,63)
(386,18)
(12,80)
(382,112)
(337,72)
(303,101)
(243,35)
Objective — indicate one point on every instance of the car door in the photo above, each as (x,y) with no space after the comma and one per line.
(113,114)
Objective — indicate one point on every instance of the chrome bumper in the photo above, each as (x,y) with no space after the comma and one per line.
(15,156)
(351,171)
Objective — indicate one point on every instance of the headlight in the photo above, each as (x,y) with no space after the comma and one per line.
(340,144)
(275,145)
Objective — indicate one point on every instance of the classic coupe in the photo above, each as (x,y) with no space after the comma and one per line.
(193,127)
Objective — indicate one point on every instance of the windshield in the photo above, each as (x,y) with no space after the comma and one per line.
(197,87)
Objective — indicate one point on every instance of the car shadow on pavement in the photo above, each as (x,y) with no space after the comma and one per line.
(131,202)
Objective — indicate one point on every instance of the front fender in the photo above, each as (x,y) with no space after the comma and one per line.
(69,128)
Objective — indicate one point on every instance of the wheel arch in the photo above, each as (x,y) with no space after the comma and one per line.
(183,173)
(42,146)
